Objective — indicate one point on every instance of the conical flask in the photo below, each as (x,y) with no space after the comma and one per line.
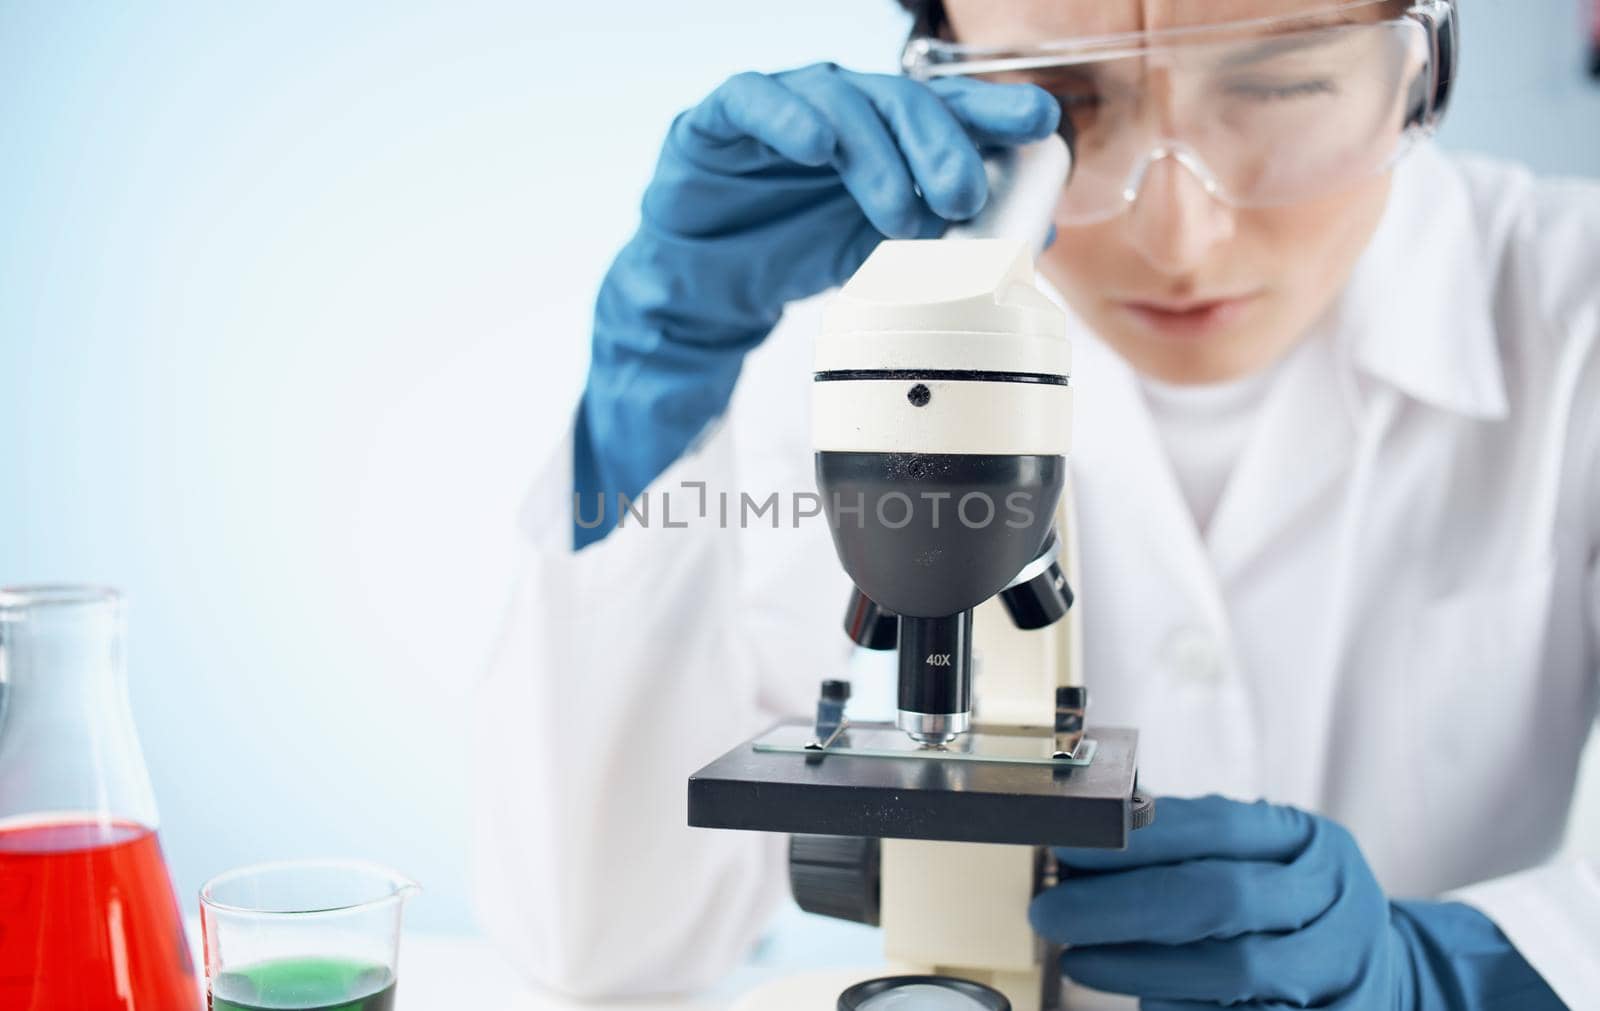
(88,920)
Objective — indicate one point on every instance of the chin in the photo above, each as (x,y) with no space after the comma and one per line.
(1215,358)
(1192,366)
(1188,374)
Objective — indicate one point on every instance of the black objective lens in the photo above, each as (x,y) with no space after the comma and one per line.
(1039,602)
(935,664)
(869,625)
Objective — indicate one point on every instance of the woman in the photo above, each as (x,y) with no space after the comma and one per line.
(1335,472)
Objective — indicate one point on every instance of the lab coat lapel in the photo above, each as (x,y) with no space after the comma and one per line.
(1158,648)
(1301,444)
(1419,308)
(1120,454)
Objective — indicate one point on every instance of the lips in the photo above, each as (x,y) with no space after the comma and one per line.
(1187,318)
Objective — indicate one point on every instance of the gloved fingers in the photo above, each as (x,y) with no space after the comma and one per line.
(754,107)
(1194,972)
(1332,958)
(1183,903)
(1208,1005)
(1200,828)
(998,115)
(1222,972)
(853,253)
(812,266)
(867,157)
(942,158)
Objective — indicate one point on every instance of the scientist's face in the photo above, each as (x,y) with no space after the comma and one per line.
(1185,287)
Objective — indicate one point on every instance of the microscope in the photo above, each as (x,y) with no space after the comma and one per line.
(941,426)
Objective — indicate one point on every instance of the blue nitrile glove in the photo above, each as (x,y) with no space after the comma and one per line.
(774,188)
(1221,903)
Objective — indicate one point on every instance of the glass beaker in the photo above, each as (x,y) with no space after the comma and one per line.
(303,935)
(88,919)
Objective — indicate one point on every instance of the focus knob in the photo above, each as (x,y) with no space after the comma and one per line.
(835,876)
(1141,810)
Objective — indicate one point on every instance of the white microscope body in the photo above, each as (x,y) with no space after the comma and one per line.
(957,327)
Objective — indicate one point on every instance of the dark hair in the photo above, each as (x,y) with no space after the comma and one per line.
(927,16)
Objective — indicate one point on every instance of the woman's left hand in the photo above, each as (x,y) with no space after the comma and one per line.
(1222,903)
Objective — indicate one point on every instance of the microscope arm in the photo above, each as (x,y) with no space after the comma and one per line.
(1018,671)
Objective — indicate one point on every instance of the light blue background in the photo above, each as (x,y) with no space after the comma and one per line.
(292,298)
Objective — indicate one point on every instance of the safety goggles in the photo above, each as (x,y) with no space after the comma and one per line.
(1266,112)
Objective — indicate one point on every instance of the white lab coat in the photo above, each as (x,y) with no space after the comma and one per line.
(1391,620)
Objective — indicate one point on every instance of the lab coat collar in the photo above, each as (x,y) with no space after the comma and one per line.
(1417,310)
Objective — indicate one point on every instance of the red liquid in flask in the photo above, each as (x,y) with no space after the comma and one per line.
(88,921)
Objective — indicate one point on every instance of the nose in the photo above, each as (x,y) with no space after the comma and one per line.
(1175,221)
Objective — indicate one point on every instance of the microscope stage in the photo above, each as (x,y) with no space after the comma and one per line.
(912,797)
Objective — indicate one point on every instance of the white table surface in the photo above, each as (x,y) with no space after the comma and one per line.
(440,972)
(446,972)
(443,972)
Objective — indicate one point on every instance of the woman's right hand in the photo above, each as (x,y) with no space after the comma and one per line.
(774,188)
(778,186)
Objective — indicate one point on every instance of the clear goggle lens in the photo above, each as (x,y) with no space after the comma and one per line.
(1261,119)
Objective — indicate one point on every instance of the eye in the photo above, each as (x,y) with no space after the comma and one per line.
(1073,89)
(1270,92)
(1073,101)
(1077,101)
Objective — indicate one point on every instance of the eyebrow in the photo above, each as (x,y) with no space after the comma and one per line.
(1277,45)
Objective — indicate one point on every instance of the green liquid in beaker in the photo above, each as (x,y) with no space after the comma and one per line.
(304,984)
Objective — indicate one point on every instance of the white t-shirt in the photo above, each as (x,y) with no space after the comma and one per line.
(1204,430)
